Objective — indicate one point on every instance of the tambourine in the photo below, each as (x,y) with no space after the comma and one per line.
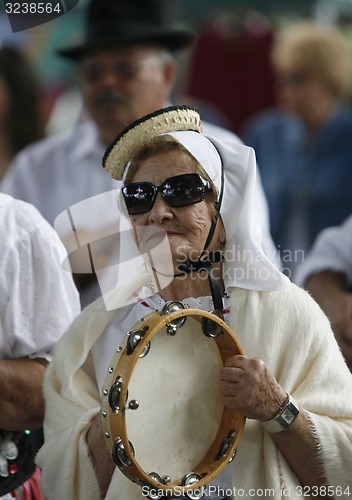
(163,417)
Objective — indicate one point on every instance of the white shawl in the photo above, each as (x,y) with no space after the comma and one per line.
(286,329)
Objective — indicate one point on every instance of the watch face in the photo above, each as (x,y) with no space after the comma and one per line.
(284,418)
(288,416)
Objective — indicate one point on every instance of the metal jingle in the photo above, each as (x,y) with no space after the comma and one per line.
(151,492)
(119,454)
(190,480)
(155,477)
(233,456)
(173,326)
(170,307)
(171,329)
(114,395)
(210,328)
(145,350)
(225,445)
(134,337)
(133,404)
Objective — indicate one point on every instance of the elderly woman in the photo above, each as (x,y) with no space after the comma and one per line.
(292,384)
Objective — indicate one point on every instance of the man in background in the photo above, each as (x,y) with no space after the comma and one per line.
(126,70)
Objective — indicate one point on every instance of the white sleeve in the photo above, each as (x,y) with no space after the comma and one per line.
(332,251)
(41,298)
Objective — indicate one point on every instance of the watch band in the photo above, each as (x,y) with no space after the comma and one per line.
(284,418)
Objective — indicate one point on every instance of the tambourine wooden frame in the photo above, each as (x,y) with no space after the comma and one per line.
(114,423)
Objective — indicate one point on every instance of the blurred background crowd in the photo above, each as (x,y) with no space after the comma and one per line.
(275,74)
(253,69)
(227,71)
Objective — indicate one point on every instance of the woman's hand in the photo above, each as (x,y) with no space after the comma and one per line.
(248,386)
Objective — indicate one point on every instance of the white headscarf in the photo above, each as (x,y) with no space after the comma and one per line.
(245,265)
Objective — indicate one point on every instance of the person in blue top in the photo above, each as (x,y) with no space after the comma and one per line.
(304,147)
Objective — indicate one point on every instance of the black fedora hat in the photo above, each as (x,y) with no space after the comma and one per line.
(117,22)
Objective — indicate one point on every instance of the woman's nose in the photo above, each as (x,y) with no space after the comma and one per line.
(160,210)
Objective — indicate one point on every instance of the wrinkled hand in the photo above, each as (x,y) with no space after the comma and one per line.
(340,315)
(248,386)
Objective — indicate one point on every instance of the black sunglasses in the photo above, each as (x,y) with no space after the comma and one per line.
(178,191)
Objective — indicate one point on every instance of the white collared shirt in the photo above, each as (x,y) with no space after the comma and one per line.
(38,299)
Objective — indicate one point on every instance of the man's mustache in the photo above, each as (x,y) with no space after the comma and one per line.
(109,96)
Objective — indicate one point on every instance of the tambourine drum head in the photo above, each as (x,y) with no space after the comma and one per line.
(163,416)
(180,406)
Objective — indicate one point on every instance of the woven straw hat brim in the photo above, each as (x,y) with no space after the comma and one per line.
(139,133)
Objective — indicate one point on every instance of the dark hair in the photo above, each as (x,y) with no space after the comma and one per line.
(25,121)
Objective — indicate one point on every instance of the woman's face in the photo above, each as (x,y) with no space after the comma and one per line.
(300,91)
(186,228)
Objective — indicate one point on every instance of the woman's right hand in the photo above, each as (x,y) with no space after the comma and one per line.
(248,386)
